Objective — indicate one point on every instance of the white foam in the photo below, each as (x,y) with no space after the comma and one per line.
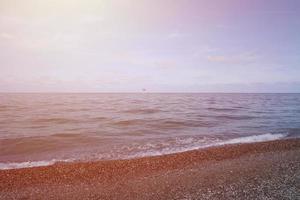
(28,164)
(254,138)
(163,151)
(240,140)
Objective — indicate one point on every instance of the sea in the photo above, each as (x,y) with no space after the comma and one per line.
(38,129)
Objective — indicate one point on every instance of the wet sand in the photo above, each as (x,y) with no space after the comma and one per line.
(267,170)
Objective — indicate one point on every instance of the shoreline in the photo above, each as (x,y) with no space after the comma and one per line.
(157,176)
(241,140)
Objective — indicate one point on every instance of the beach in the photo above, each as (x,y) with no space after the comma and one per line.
(150,100)
(265,170)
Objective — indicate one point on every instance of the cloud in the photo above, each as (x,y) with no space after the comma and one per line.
(260,87)
(91,19)
(166,64)
(245,58)
(6,35)
(204,50)
(175,35)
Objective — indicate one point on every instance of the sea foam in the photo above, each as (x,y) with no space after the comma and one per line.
(28,164)
(240,140)
(164,151)
(254,138)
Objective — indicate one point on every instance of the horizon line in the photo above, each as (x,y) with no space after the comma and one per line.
(149,92)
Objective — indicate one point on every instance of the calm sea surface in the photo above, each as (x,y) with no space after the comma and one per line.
(56,127)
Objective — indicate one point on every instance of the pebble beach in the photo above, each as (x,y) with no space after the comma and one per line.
(265,170)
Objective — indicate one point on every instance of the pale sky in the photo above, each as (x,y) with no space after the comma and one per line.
(159,45)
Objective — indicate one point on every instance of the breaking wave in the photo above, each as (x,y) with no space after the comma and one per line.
(28,164)
(155,152)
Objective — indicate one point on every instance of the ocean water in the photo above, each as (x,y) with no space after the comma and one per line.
(41,129)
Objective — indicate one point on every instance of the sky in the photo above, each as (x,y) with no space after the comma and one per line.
(150,45)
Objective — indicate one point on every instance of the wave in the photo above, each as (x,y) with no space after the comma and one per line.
(163,124)
(55,120)
(131,122)
(28,164)
(67,135)
(152,152)
(4,108)
(142,111)
(254,138)
(235,117)
(241,140)
(222,109)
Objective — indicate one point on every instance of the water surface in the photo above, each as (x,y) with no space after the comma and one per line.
(45,128)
